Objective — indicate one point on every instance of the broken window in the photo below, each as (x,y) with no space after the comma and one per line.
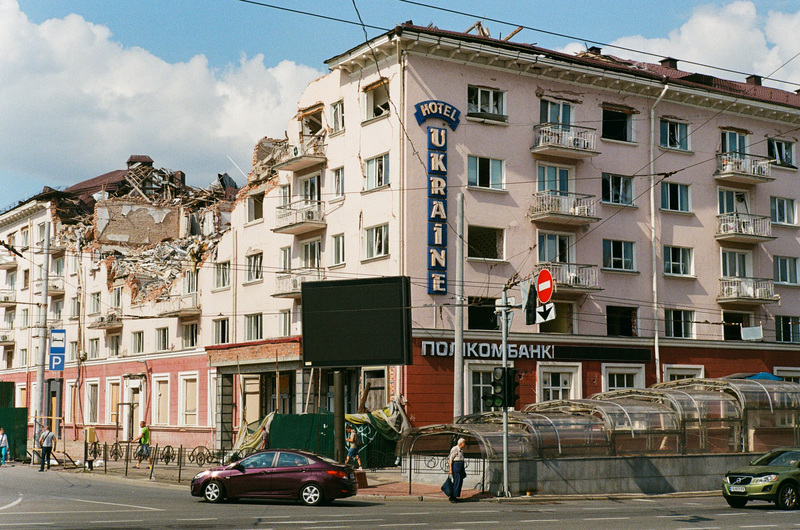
(733,324)
(486,103)
(376,172)
(338,183)
(621,321)
(376,241)
(337,116)
(481,314)
(376,100)
(485,172)
(781,151)
(484,242)
(562,323)
(674,135)
(617,123)
(222,275)
(189,282)
(255,207)
(254,267)
(311,121)
(617,189)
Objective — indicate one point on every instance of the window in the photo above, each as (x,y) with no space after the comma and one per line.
(94,303)
(57,307)
(112,397)
(190,282)
(787,329)
(485,243)
(734,142)
(24,319)
(554,248)
(376,241)
(781,151)
(162,339)
(782,210)
(221,331)
(338,183)
(285,195)
(222,275)
(735,264)
(617,189)
(285,257)
(674,135)
(376,100)
(254,326)
(187,399)
(559,112)
(189,335)
(785,270)
(481,385)
(337,116)
(72,351)
(161,400)
(337,244)
(116,297)
(678,260)
(40,231)
(673,372)
(11,280)
(23,357)
(675,197)
(92,401)
(486,103)
(254,270)
(679,323)
(255,207)
(481,315)
(114,343)
(617,124)
(553,178)
(94,348)
(733,324)
(75,264)
(622,376)
(8,319)
(285,323)
(309,190)
(137,342)
(212,399)
(310,254)
(24,239)
(732,201)
(618,255)
(485,172)
(69,404)
(621,321)
(58,267)
(558,381)
(21,399)
(376,172)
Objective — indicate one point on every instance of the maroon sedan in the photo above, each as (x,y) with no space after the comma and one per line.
(278,474)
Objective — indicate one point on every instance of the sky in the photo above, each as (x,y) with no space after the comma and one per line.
(195,84)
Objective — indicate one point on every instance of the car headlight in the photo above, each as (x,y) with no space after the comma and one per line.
(764,479)
(200,475)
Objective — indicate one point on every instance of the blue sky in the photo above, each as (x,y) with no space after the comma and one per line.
(195,83)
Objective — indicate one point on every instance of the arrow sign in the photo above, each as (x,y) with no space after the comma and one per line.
(544,286)
(545,313)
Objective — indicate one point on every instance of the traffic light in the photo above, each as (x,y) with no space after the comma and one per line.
(496,399)
(511,387)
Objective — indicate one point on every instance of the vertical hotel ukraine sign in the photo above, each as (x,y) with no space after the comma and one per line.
(437,189)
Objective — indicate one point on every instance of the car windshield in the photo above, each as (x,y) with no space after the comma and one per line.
(779,458)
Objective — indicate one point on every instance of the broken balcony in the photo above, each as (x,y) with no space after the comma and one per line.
(743,169)
(299,217)
(112,320)
(744,228)
(182,307)
(7,260)
(747,291)
(8,297)
(55,286)
(309,152)
(565,141)
(562,208)
(288,284)
(571,278)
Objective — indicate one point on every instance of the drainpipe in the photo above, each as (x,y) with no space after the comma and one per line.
(656,351)
(400,371)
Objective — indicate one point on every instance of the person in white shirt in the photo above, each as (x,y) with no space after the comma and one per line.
(3,446)
(46,442)
(457,471)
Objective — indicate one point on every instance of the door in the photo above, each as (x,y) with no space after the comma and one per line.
(290,473)
(253,477)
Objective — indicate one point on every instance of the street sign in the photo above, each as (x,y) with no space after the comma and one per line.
(56,362)
(525,289)
(58,341)
(544,286)
(545,313)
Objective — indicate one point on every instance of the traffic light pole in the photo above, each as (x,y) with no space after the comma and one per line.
(504,310)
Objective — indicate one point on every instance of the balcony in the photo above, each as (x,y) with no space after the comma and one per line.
(743,169)
(299,217)
(562,208)
(55,286)
(184,307)
(112,320)
(746,291)
(57,246)
(8,297)
(744,228)
(310,152)
(571,278)
(7,260)
(565,141)
(287,284)
(6,337)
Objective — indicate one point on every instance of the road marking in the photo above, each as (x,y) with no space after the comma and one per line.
(643,500)
(726,514)
(541,521)
(11,504)
(411,513)
(315,527)
(114,522)
(404,524)
(479,511)
(27,524)
(699,528)
(606,518)
(475,522)
(199,519)
(318,521)
(117,504)
(599,508)
(759,526)
(63,512)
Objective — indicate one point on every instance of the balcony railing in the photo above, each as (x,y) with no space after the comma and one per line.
(287,284)
(747,291)
(299,217)
(7,260)
(744,228)
(309,152)
(185,306)
(562,207)
(569,141)
(744,169)
(571,276)
(111,320)
(8,297)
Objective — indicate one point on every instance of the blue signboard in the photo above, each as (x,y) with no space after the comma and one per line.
(58,341)
(56,362)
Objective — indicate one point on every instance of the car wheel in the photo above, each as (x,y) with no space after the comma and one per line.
(787,497)
(736,502)
(311,495)
(213,491)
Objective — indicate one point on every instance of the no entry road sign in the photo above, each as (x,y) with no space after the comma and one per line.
(544,286)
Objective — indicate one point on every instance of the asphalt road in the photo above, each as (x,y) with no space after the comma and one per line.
(58,499)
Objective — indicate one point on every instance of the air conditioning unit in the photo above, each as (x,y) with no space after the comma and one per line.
(310,215)
(5,298)
(4,338)
(100,320)
(295,151)
(296,284)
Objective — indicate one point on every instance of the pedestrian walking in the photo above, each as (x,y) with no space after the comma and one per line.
(354,442)
(263,440)
(3,446)
(46,441)
(457,471)
(144,444)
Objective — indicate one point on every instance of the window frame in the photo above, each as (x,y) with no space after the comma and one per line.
(285,322)
(496,110)
(609,257)
(370,104)
(682,140)
(789,210)
(337,250)
(793,328)
(629,129)
(94,303)
(222,331)
(609,189)
(632,312)
(688,326)
(254,326)
(137,342)
(637,370)
(667,197)
(193,329)
(772,144)
(162,339)
(92,416)
(156,404)
(285,259)
(371,245)
(791,266)
(689,370)
(376,172)
(575,371)
(337,116)
(255,207)
(499,243)
(492,181)
(338,182)
(222,275)
(183,405)
(684,263)
(255,266)
(110,412)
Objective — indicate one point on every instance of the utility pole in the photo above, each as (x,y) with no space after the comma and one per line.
(504,312)
(39,399)
(458,346)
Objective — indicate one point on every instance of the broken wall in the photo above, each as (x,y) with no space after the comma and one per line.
(131,223)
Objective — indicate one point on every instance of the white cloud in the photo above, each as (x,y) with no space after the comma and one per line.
(76,104)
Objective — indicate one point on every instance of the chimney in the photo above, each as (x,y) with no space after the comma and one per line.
(669,62)
(595,50)
(753,80)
